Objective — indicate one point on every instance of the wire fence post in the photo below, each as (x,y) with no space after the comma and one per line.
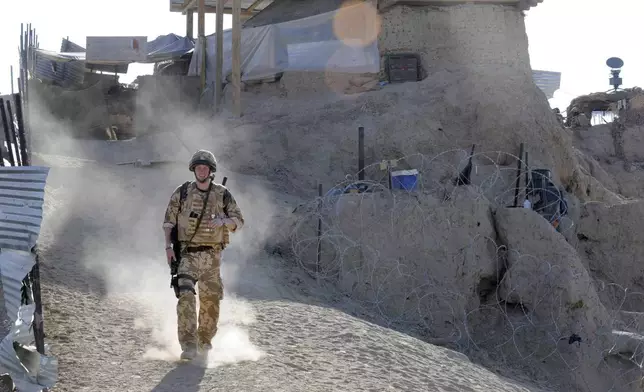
(319,250)
(518,181)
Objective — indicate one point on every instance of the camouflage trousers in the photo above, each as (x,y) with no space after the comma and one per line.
(203,270)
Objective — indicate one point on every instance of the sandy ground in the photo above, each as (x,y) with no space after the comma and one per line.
(109,310)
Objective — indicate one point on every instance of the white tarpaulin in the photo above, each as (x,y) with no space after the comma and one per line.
(308,44)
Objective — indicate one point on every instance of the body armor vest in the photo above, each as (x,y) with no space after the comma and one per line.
(191,210)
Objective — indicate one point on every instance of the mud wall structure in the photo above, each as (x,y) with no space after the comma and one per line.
(484,36)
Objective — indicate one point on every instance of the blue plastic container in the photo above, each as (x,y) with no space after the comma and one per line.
(404,179)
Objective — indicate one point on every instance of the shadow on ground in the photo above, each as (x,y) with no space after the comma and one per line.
(272,276)
(185,377)
(63,260)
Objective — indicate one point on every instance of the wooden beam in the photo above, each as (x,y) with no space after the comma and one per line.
(210,9)
(252,7)
(219,73)
(201,26)
(236,60)
(188,5)
(384,4)
(227,11)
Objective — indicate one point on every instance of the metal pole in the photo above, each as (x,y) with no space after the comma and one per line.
(361,153)
(518,181)
(527,173)
(317,265)
(21,132)
(14,137)
(7,134)
(39,325)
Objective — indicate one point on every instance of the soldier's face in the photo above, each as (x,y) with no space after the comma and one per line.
(202,172)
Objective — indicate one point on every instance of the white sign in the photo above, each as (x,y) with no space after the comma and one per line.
(116,49)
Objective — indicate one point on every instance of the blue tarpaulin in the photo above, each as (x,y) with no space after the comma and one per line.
(167,47)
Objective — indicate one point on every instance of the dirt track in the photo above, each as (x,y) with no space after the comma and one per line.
(109,312)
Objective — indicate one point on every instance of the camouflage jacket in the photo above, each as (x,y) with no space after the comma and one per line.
(221,204)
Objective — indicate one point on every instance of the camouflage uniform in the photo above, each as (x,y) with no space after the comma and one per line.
(200,260)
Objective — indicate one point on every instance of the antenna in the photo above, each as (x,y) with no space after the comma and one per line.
(615,63)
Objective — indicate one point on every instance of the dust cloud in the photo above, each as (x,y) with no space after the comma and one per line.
(108,219)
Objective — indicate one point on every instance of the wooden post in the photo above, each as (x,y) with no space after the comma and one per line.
(219,73)
(201,27)
(236,61)
(190,24)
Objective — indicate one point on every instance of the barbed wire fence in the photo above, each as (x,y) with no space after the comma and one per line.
(454,265)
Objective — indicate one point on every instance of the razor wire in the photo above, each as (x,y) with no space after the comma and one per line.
(417,267)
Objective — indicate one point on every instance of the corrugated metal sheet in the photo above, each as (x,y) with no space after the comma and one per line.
(63,74)
(22,192)
(547,81)
(72,73)
(29,370)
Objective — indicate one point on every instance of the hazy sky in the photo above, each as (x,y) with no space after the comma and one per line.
(574,37)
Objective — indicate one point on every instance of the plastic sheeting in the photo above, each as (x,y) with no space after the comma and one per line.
(308,44)
(168,47)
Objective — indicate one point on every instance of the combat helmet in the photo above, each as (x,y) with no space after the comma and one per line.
(203,157)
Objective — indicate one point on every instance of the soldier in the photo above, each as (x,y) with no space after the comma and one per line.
(204,219)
